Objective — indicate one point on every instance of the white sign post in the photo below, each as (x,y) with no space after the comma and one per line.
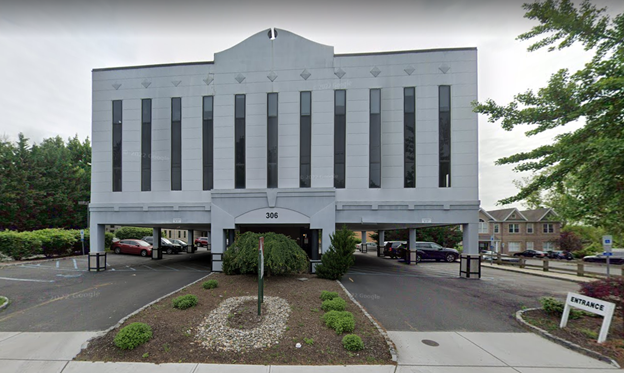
(593,305)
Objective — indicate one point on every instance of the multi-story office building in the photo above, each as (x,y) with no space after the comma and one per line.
(280,134)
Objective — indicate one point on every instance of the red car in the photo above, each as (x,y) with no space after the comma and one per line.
(137,247)
(201,241)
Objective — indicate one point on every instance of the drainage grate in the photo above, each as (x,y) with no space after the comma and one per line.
(431,343)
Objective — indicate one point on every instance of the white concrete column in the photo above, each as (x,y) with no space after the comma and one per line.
(412,238)
(471,238)
(380,246)
(97,242)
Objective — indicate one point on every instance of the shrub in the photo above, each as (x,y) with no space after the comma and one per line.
(337,261)
(326,295)
(185,301)
(133,335)
(55,241)
(282,255)
(340,321)
(607,289)
(19,245)
(555,307)
(136,233)
(335,304)
(210,284)
(592,249)
(352,342)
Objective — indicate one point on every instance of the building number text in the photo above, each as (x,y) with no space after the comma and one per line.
(271,215)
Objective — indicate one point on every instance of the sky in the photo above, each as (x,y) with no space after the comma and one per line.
(48,49)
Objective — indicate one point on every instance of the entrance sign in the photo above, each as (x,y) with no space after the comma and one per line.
(260,275)
(592,305)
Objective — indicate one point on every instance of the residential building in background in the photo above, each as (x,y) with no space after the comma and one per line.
(511,230)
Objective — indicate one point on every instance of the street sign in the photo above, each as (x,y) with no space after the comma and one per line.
(607,242)
(82,234)
(607,254)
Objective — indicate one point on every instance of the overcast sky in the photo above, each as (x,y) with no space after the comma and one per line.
(48,49)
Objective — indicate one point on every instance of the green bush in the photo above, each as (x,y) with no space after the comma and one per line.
(337,261)
(133,335)
(282,255)
(19,245)
(136,233)
(185,301)
(555,307)
(352,342)
(108,239)
(55,241)
(592,249)
(326,295)
(340,321)
(210,284)
(335,304)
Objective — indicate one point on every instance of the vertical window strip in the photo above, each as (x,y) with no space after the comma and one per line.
(239,138)
(305,140)
(340,111)
(117,141)
(444,136)
(374,179)
(409,133)
(146,145)
(176,143)
(207,142)
(272,140)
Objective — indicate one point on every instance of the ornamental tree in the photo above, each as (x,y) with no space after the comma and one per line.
(586,165)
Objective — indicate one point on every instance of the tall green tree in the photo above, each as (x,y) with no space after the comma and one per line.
(584,165)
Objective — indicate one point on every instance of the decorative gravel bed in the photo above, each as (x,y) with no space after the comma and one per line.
(224,328)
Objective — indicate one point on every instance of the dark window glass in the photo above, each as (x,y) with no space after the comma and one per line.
(305,140)
(117,118)
(146,145)
(340,126)
(207,142)
(444,133)
(272,140)
(409,133)
(239,138)
(374,168)
(176,143)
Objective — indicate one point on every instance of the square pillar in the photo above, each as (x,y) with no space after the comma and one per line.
(411,248)
(363,244)
(189,240)
(470,262)
(156,249)
(380,245)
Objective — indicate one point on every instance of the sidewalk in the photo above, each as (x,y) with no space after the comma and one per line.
(538,272)
(418,352)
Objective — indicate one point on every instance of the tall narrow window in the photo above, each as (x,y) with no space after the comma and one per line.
(409,133)
(146,145)
(305,140)
(239,138)
(117,118)
(272,140)
(207,142)
(444,133)
(374,167)
(176,143)
(340,137)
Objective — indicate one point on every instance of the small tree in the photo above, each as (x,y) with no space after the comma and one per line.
(569,241)
(336,262)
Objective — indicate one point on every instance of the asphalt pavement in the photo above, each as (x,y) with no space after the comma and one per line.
(61,295)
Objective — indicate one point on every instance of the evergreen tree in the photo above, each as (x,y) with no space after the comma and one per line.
(339,258)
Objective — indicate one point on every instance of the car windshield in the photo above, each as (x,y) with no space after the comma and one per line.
(180,242)
(436,246)
(143,243)
(164,240)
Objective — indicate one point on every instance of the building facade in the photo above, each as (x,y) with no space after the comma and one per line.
(511,230)
(280,134)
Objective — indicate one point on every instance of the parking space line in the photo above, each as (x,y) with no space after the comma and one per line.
(177,270)
(131,268)
(75,265)
(149,267)
(191,268)
(24,279)
(57,263)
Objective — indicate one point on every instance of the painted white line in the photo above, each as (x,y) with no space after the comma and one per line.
(107,264)
(57,263)
(191,268)
(177,270)
(148,267)
(112,269)
(75,265)
(131,268)
(24,279)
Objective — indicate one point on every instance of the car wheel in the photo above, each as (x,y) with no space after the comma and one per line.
(144,253)
(117,250)
(450,258)
(169,251)
(418,258)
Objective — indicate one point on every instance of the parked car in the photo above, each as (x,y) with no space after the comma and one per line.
(202,241)
(603,259)
(137,247)
(433,251)
(391,248)
(181,243)
(559,254)
(489,255)
(168,246)
(531,254)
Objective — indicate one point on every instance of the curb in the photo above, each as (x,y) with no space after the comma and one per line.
(541,274)
(563,342)
(6,303)
(381,330)
(104,332)
(35,261)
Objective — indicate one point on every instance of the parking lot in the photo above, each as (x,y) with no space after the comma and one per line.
(61,295)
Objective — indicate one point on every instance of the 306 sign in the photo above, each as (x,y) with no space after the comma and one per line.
(272,215)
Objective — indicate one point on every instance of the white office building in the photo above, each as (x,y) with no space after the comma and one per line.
(280,134)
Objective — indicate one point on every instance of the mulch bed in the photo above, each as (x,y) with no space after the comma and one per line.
(174,332)
(583,332)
